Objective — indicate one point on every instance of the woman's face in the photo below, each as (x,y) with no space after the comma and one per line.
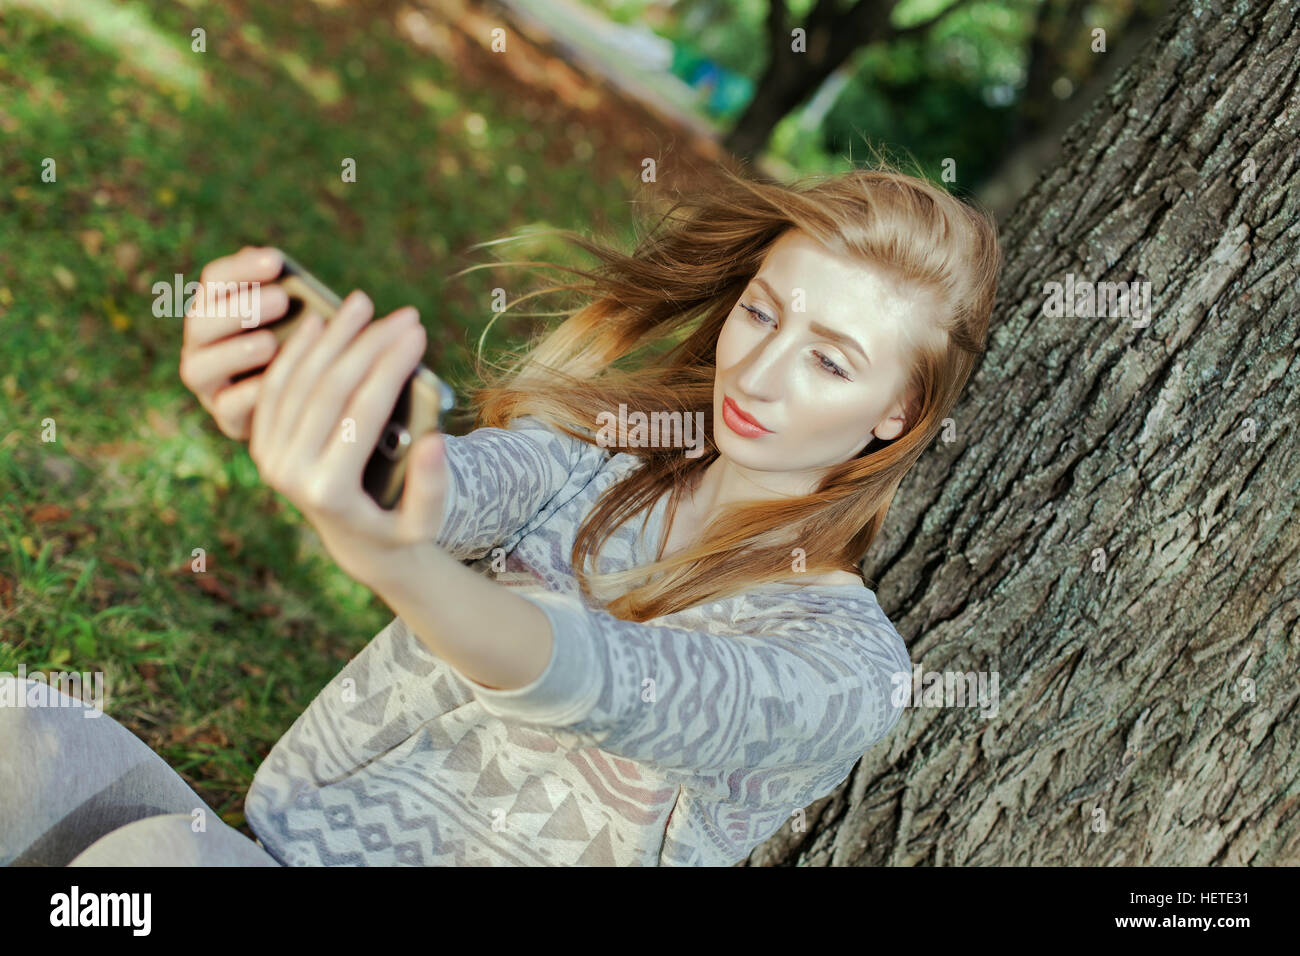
(814,352)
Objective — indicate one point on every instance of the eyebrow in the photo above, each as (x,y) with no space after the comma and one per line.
(816,327)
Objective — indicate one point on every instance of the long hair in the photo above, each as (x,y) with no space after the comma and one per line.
(646,337)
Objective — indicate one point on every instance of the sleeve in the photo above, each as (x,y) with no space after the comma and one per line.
(804,689)
(504,481)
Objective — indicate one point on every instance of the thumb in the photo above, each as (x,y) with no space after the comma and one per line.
(425,487)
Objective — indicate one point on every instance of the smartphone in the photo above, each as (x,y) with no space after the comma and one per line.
(421,407)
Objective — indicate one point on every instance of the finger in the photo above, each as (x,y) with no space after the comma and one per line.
(420,508)
(299,398)
(366,360)
(208,369)
(251,262)
(265,419)
(221,310)
(233,407)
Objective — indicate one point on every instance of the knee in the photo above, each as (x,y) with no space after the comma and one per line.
(19,703)
(36,717)
(21,696)
(171,839)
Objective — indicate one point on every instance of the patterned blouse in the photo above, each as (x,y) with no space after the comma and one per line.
(687,740)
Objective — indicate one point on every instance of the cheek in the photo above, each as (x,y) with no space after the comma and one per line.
(730,348)
(829,417)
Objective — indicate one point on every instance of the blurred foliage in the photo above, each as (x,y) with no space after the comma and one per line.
(166,158)
(952,91)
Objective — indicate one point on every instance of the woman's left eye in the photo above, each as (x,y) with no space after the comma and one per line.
(830,366)
(822,359)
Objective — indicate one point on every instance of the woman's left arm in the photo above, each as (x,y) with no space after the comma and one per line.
(802,687)
(484,630)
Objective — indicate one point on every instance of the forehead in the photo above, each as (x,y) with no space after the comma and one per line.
(849,292)
(796,254)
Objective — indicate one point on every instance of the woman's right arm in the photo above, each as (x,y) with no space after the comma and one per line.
(502,481)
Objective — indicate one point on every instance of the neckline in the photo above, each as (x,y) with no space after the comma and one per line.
(653,528)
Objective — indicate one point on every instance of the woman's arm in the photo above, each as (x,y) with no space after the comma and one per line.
(504,481)
(802,688)
(482,629)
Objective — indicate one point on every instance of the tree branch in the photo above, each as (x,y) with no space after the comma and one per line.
(910,29)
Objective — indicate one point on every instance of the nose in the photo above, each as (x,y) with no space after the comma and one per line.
(764,369)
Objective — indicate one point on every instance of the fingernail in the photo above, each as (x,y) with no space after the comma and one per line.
(352,302)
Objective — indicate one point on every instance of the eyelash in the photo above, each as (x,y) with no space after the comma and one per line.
(826,363)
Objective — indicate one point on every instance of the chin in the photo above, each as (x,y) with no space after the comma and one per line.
(750,453)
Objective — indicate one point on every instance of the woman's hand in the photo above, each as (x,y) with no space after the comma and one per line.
(323,403)
(216,343)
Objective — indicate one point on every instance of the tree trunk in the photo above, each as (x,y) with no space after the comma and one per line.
(791,77)
(1112,531)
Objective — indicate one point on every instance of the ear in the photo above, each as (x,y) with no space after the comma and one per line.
(891,426)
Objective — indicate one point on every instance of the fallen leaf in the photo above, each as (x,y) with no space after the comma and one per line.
(61,470)
(232,541)
(163,426)
(126,255)
(124,450)
(178,733)
(92,240)
(43,514)
(64,277)
(212,735)
(122,564)
(209,584)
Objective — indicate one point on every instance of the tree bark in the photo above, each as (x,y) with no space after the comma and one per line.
(1127,732)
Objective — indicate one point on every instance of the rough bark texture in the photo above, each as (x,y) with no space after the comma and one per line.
(1171,448)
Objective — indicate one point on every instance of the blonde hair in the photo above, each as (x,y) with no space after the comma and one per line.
(647,338)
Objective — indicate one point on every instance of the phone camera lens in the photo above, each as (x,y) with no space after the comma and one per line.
(394,441)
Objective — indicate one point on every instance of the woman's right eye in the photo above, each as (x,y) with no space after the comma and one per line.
(761,317)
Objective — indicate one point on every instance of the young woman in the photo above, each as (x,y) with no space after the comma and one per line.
(629,655)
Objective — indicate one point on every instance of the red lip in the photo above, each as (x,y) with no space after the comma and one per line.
(740,414)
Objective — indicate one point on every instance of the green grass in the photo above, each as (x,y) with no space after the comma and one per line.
(165,159)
